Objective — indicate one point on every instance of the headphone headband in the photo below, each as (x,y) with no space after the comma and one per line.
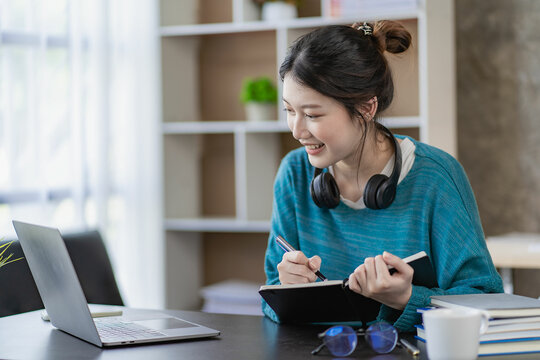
(396,171)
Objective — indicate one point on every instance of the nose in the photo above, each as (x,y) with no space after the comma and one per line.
(298,127)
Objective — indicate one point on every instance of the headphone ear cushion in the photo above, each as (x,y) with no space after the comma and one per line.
(316,190)
(324,191)
(386,194)
(371,190)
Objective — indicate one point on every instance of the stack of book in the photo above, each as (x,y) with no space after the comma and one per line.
(514,324)
(232,297)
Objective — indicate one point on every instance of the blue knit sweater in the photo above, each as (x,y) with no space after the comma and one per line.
(434,211)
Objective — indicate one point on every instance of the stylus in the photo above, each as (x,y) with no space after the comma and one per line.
(287,247)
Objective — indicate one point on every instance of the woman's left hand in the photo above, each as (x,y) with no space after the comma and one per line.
(372,279)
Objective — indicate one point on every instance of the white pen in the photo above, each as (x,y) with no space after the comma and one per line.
(413,350)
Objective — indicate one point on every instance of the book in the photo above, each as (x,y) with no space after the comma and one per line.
(505,347)
(533,333)
(332,300)
(493,328)
(232,297)
(515,320)
(498,325)
(504,325)
(520,346)
(497,305)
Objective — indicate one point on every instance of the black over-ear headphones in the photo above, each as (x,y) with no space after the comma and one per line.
(380,190)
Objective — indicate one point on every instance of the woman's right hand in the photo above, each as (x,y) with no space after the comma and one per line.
(296,268)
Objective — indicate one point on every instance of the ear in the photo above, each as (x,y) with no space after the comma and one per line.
(369,108)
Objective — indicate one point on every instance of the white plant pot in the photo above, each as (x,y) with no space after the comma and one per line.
(260,111)
(278,11)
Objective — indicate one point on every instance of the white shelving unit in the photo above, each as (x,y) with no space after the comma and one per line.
(219,169)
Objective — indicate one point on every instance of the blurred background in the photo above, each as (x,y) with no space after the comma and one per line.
(134,118)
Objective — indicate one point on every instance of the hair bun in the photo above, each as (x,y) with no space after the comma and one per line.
(391,36)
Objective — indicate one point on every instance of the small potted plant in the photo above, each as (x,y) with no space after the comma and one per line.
(277,10)
(259,95)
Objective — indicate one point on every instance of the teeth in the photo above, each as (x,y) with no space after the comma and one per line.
(313,147)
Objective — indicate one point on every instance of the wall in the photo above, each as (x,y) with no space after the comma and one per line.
(498,82)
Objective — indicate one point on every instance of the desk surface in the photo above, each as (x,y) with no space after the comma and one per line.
(26,336)
(517,250)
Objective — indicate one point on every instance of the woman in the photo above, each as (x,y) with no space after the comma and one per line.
(335,83)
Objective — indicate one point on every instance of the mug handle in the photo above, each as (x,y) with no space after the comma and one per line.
(485,321)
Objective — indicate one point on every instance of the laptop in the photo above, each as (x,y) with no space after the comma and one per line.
(64,300)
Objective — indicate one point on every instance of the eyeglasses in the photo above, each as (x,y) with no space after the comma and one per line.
(341,340)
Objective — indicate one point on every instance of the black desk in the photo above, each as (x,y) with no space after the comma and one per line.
(26,336)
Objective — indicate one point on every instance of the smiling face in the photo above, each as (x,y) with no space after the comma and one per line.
(321,124)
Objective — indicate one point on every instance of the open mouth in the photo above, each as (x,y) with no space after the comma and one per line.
(314,150)
(314,147)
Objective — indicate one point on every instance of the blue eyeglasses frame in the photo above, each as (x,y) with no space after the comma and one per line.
(341,340)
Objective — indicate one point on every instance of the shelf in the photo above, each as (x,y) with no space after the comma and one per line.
(216,225)
(219,168)
(209,73)
(226,127)
(223,127)
(308,22)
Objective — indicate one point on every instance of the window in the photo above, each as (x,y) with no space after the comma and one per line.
(74,122)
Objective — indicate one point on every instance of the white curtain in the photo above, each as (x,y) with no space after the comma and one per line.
(79,128)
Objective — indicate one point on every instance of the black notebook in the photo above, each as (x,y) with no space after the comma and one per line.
(332,300)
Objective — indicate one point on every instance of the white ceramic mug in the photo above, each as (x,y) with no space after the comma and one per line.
(453,334)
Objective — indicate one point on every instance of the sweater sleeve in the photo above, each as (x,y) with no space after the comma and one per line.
(458,251)
(283,223)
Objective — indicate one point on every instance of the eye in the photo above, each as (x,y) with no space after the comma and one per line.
(311,116)
(290,111)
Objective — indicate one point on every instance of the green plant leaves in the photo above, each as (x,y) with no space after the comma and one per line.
(259,89)
(6,260)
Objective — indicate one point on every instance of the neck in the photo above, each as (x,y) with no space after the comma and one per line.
(352,175)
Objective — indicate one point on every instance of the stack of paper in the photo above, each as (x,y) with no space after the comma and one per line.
(232,297)
(514,324)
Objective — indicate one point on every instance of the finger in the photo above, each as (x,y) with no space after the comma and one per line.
(361,277)
(302,270)
(383,275)
(353,284)
(371,273)
(293,273)
(315,263)
(289,278)
(296,257)
(286,267)
(298,264)
(381,267)
(395,261)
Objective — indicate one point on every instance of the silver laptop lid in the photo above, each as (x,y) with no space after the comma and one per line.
(56,280)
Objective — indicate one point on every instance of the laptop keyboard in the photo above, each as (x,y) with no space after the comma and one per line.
(111,331)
